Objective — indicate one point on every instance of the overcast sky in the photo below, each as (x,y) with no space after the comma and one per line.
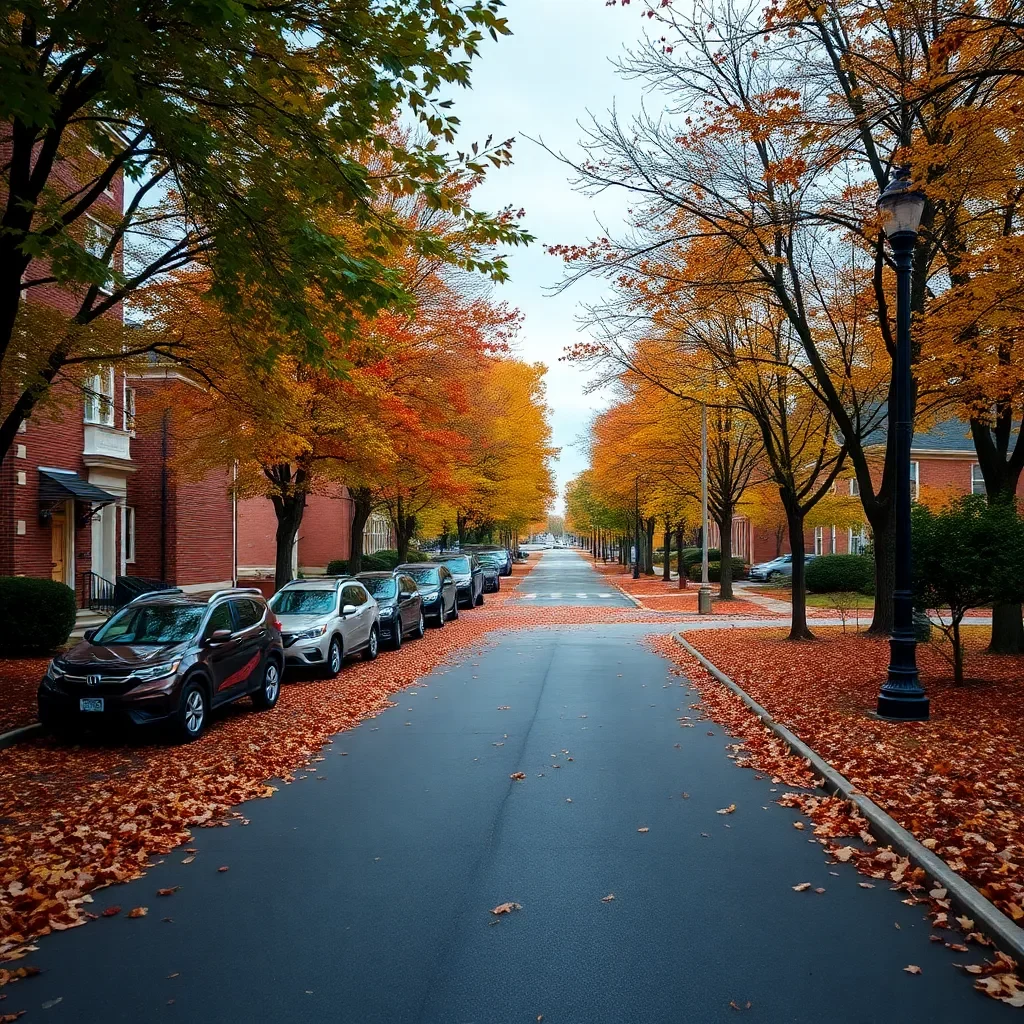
(540,82)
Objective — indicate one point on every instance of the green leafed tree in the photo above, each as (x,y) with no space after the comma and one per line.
(967,555)
(244,132)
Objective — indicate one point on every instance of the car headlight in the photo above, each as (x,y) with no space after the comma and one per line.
(151,672)
(54,671)
(312,634)
(387,611)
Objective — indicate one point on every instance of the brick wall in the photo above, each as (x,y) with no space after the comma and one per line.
(257,526)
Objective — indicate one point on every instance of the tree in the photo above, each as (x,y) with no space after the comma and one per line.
(969,554)
(244,132)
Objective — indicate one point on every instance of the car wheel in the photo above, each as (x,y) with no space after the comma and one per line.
(396,643)
(192,711)
(441,618)
(455,611)
(270,689)
(335,657)
(479,598)
(497,584)
(773,576)
(421,627)
(372,646)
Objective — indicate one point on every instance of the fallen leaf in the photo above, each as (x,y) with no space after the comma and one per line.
(110,912)
(223,867)
(726,810)
(644,829)
(912,969)
(52,1002)
(518,776)
(966,923)
(138,912)
(506,908)
(866,885)
(608,898)
(170,891)
(820,891)
(802,887)
(176,974)
(799,825)
(188,860)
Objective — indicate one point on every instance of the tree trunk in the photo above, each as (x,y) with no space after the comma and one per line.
(460,525)
(650,526)
(884,531)
(1007,630)
(405,527)
(795,518)
(289,504)
(958,654)
(666,563)
(725,556)
(680,568)
(362,506)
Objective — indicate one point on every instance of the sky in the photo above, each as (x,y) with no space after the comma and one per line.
(539,83)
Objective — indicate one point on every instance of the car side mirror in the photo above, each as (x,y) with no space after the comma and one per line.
(348,609)
(90,633)
(218,636)
(405,595)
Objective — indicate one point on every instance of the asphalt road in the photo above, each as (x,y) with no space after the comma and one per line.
(563,577)
(365,895)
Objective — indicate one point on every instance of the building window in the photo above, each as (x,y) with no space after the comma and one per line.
(129,533)
(99,398)
(97,237)
(858,540)
(128,416)
(915,480)
(854,488)
(819,540)
(977,480)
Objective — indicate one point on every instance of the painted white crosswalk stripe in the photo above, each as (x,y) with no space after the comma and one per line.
(582,595)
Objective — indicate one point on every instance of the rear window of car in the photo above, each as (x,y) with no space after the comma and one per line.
(303,602)
(152,625)
(381,587)
(424,575)
(458,564)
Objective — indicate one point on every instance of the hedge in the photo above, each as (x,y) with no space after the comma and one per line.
(739,571)
(830,574)
(693,556)
(379,561)
(36,616)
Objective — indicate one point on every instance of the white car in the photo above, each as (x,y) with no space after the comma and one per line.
(323,620)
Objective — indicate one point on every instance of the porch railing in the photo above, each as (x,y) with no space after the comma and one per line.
(99,593)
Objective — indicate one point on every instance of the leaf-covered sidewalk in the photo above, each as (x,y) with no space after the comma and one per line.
(956,781)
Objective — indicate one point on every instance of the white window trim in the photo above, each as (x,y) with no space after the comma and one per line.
(981,481)
(915,480)
(99,394)
(128,533)
(819,540)
(854,489)
(127,420)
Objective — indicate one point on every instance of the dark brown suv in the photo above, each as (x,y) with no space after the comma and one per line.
(167,657)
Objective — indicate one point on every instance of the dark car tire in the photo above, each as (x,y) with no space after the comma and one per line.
(773,575)
(335,656)
(439,622)
(193,711)
(396,644)
(421,627)
(479,598)
(455,611)
(497,584)
(270,686)
(372,645)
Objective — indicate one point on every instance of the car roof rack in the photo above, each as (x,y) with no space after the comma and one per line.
(233,592)
(317,579)
(154,593)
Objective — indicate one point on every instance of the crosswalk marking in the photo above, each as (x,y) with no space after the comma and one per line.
(557,596)
(581,595)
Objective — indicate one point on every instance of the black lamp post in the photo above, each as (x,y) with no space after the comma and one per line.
(902,696)
(636,513)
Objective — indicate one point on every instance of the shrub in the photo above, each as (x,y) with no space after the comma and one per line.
(693,556)
(36,616)
(337,567)
(829,574)
(379,561)
(739,570)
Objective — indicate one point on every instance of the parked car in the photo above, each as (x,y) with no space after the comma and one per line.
(469,577)
(325,619)
(491,563)
(167,657)
(400,604)
(438,593)
(480,549)
(776,569)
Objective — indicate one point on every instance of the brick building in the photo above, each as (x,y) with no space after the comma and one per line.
(943,464)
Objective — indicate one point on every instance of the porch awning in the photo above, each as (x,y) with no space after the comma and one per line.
(61,484)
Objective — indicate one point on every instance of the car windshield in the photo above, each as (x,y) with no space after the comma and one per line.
(381,586)
(423,575)
(458,563)
(492,558)
(303,602)
(152,625)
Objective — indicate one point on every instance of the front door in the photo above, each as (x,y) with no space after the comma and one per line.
(225,657)
(59,547)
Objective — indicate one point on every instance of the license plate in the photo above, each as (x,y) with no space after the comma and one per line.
(90,704)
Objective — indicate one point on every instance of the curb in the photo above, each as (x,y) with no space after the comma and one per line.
(1007,935)
(8,739)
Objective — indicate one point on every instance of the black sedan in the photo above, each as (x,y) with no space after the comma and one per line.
(492,563)
(469,576)
(503,554)
(400,603)
(437,590)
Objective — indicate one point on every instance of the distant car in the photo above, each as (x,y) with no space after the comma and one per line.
(469,576)
(777,568)
(325,619)
(438,593)
(506,555)
(491,563)
(400,603)
(167,657)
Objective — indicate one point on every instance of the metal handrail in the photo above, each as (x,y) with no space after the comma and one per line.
(100,592)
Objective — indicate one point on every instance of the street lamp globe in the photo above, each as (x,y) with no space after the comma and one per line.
(901,205)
